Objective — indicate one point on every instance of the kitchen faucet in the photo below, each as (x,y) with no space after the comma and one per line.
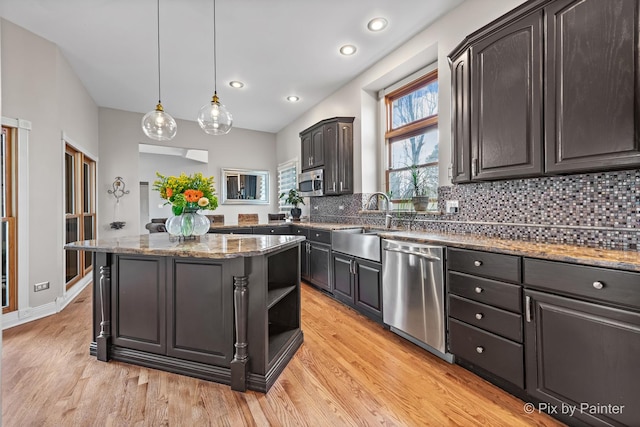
(387,212)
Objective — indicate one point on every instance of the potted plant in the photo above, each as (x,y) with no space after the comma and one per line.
(293,198)
(419,188)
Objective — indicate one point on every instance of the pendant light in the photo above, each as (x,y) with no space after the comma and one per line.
(157,124)
(214,118)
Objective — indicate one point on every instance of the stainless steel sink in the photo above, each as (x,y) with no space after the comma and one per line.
(362,242)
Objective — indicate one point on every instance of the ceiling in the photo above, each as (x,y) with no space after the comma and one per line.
(276,47)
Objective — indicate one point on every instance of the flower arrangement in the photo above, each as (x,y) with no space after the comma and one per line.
(187,192)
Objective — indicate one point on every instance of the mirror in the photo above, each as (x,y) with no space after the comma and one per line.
(244,187)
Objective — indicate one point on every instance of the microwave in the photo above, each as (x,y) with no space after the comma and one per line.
(311,183)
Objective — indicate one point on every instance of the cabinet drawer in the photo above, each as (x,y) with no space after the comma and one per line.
(501,322)
(486,264)
(322,236)
(596,283)
(499,294)
(495,354)
(271,230)
(300,231)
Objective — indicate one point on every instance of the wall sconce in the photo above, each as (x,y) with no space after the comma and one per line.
(118,190)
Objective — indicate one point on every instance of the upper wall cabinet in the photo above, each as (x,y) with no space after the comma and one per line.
(593,85)
(330,140)
(551,87)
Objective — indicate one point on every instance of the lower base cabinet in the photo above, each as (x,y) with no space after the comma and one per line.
(358,283)
(584,359)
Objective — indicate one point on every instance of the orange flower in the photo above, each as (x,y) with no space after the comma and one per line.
(192,195)
(169,192)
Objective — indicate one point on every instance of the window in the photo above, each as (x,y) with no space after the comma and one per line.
(80,215)
(412,139)
(9,227)
(287,179)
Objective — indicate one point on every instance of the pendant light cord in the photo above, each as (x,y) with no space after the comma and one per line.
(215,39)
(158,9)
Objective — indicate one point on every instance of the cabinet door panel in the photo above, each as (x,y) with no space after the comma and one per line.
(305,141)
(368,287)
(593,85)
(319,259)
(200,288)
(460,126)
(584,353)
(317,147)
(342,282)
(331,168)
(506,105)
(139,295)
(345,158)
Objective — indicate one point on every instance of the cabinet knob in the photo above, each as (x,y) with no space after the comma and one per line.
(480,349)
(317,234)
(598,285)
(477,263)
(479,316)
(273,231)
(478,290)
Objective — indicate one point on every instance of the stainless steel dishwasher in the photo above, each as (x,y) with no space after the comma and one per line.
(413,294)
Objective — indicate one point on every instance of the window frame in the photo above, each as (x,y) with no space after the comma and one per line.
(84,263)
(11,203)
(417,127)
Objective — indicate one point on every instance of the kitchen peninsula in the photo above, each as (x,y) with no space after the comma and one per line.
(224,308)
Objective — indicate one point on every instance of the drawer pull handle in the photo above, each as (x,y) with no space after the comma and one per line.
(478,290)
(480,349)
(273,231)
(479,316)
(317,234)
(477,263)
(598,285)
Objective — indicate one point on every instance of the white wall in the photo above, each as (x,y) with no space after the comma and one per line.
(357,98)
(120,134)
(39,86)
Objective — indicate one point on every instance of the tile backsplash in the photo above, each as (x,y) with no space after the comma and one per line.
(595,209)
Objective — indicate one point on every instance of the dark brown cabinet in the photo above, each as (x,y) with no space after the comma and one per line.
(315,257)
(584,356)
(551,87)
(329,144)
(460,120)
(338,171)
(485,313)
(358,283)
(313,149)
(592,103)
(506,96)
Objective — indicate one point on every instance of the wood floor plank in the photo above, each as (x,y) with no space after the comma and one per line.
(349,371)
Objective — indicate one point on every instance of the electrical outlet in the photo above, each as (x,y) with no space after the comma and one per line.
(40,286)
(451,206)
(341,207)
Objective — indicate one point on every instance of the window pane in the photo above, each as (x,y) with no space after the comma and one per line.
(415,150)
(86,188)
(72,257)
(401,183)
(414,106)
(5,264)
(68,182)
(3,172)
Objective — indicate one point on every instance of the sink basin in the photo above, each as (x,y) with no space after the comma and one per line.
(362,242)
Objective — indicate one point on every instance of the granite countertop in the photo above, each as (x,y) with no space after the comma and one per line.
(217,246)
(623,260)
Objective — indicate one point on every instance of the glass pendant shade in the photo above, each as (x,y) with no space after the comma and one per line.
(159,125)
(214,118)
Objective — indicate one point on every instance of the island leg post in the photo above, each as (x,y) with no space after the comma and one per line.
(104,339)
(241,357)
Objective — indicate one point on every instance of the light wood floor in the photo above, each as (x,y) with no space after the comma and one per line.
(349,371)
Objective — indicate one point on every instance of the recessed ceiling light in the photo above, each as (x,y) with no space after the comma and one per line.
(377,24)
(348,49)
(293,98)
(236,84)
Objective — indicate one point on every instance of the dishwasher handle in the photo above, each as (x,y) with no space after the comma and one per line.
(419,254)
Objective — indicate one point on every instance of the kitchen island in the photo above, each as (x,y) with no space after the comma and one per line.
(224,308)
